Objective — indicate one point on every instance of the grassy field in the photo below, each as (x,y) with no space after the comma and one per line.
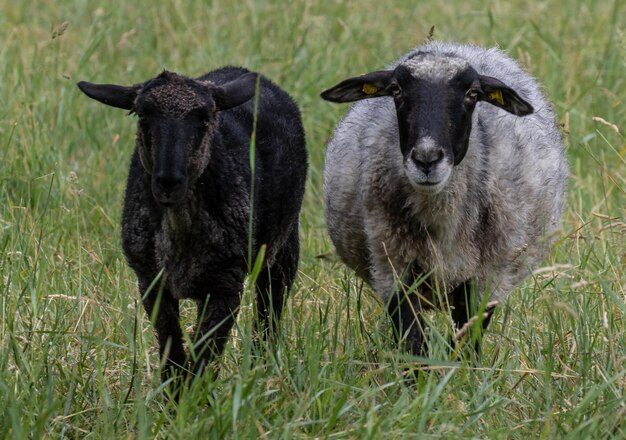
(78,357)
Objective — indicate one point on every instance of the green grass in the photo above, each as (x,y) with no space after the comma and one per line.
(78,357)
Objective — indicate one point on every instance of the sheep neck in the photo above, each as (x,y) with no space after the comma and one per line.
(179,219)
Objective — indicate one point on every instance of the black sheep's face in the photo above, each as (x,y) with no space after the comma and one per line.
(178,117)
(434,97)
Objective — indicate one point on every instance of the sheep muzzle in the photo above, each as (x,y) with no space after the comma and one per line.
(169,189)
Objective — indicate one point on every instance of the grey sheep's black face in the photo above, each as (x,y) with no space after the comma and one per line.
(434,124)
(434,97)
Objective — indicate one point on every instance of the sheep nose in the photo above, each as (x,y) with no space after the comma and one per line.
(170,182)
(426,160)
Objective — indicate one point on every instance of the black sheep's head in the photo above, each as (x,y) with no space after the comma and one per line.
(178,117)
(434,97)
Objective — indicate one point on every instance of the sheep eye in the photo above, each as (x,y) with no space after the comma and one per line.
(142,114)
(472,94)
(201,114)
(144,110)
(393,89)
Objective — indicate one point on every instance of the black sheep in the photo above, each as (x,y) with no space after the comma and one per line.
(188,200)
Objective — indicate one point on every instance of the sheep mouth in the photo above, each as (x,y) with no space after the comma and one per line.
(164,204)
(431,183)
(169,197)
(167,201)
(428,187)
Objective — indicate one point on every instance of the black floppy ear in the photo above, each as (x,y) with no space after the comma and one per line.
(235,92)
(499,94)
(370,85)
(111,94)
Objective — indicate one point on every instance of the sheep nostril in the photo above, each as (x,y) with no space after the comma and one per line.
(439,157)
(426,161)
(170,182)
(423,166)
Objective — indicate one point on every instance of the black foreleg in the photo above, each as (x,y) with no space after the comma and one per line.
(405,312)
(216,316)
(464,307)
(162,309)
(273,285)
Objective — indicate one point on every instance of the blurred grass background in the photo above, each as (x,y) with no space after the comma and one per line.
(78,358)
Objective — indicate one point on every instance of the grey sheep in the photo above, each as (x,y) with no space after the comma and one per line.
(189,202)
(450,177)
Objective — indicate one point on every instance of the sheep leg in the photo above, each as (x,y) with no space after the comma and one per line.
(405,312)
(216,316)
(162,309)
(273,284)
(464,308)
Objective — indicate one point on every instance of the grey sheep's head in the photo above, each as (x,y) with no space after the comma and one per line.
(434,97)
(178,117)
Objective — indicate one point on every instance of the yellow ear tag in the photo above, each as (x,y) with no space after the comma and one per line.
(369,89)
(496,95)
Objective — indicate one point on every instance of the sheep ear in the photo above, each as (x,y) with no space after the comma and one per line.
(235,92)
(111,94)
(370,85)
(499,94)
